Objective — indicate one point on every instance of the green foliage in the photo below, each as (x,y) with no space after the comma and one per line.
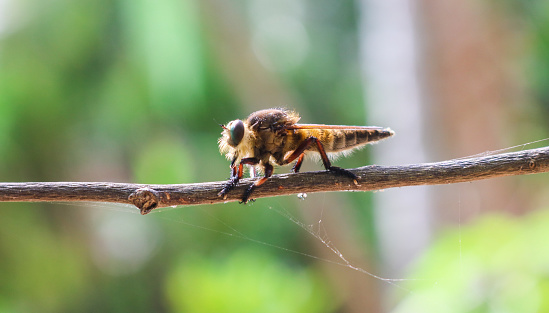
(248,280)
(164,161)
(42,272)
(497,264)
(120,90)
(533,17)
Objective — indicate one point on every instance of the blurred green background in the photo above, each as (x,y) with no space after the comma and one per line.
(133,91)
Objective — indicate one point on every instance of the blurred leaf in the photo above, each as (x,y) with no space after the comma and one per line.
(42,273)
(497,264)
(165,160)
(166,43)
(247,281)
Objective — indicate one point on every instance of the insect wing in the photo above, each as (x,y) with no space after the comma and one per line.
(323,126)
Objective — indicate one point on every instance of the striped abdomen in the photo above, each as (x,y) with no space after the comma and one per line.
(336,140)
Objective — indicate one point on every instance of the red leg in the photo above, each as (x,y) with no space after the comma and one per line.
(297,164)
(325,160)
(268,173)
(299,150)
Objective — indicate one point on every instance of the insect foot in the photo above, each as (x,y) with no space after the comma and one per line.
(223,192)
(247,194)
(228,187)
(341,171)
(246,201)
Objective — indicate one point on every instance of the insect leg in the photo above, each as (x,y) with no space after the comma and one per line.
(268,172)
(325,160)
(250,161)
(333,169)
(236,175)
(298,152)
(297,164)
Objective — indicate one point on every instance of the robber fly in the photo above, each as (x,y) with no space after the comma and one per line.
(273,136)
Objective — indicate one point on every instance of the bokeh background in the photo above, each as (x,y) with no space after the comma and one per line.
(133,91)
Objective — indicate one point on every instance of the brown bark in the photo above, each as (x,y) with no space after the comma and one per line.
(372,177)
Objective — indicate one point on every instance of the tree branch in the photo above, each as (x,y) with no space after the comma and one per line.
(372,177)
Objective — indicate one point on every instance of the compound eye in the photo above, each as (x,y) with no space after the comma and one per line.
(236,131)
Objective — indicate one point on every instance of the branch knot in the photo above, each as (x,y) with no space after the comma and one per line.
(145,199)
